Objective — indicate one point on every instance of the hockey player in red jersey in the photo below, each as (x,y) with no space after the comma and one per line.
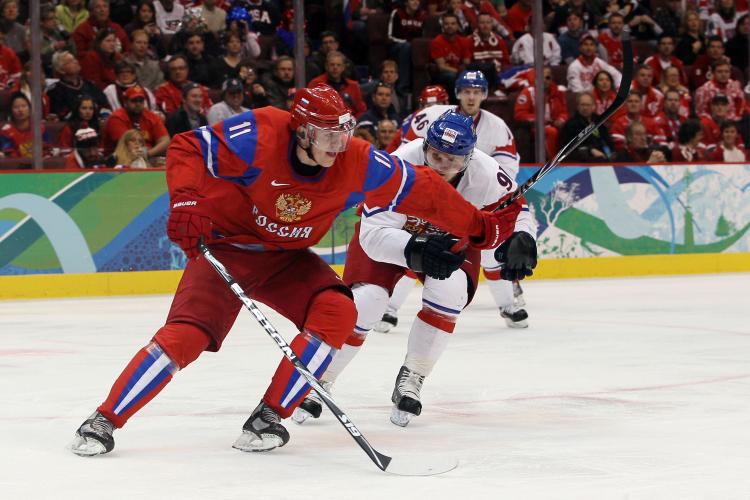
(261,188)
(375,262)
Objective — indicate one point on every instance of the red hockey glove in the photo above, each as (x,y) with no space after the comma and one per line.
(187,223)
(498,226)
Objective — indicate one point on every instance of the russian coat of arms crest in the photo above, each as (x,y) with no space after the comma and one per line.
(291,207)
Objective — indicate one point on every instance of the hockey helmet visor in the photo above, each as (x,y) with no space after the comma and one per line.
(332,139)
(449,143)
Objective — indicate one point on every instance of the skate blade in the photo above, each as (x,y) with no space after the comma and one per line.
(382,327)
(300,416)
(400,417)
(421,465)
(517,324)
(87,447)
(251,442)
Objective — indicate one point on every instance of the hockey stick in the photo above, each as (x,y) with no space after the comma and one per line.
(412,466)
(622,94)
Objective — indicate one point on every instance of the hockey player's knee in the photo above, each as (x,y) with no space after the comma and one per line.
(183,343)
(371,301)
(356,338)
(492,274)
(442,321)
(331,316)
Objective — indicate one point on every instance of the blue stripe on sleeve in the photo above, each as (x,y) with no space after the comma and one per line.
(380,169)
(354,199)
(408,172)
(241,134)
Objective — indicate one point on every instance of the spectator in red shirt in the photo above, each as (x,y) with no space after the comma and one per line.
(727,150)
(472,9)
(643,84)
(670,80)
(670,119)
(721,83)
(347,88)
(87,153)
(450,52)
(489,53)
(689,147)
(10,65)
(98,64)
(134,114)
(385,132)
(85,33)
(404,25)
(700,72)
(664,59)
(610,41)
(169,94)
(604,93)
(713,120)
(634,108)
(555,110)
(518,16)
(16,136)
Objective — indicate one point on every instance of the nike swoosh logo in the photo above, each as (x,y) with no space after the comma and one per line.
(278,184)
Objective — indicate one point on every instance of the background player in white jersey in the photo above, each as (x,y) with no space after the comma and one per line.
(495,139)
(376,260)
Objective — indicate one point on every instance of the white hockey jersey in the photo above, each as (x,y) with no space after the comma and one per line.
(384,235)
(493,135)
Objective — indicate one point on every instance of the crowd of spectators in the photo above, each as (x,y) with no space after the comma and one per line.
(122,77)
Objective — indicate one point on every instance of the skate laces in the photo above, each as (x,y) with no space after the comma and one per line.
(265,416)
(410,383)
(99,424)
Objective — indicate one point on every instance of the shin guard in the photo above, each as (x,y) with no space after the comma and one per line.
(143,378)
(288,387)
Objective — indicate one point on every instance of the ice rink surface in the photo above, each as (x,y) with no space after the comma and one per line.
(620,389)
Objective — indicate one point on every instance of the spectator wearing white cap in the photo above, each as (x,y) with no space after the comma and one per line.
(231,103)
(86,153)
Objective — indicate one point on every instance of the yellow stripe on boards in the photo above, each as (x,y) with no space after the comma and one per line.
(165,282)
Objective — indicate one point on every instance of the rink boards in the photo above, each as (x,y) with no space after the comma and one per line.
(74,233)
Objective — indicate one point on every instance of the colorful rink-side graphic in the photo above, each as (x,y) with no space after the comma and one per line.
(104,221)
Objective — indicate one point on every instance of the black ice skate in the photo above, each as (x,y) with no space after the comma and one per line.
(262,431)
(516,319)
(311,406)
(385,324)
(406,397)
(94,436)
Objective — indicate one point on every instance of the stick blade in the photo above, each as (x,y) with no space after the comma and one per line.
(421,465)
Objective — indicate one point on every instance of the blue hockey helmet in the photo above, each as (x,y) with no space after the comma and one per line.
(449,143)
(471,79)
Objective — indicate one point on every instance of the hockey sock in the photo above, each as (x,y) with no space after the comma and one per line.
(501,290)
(370,301)
(400,293)
(151,369)
(288,387)
(341,360)
(144,377)
(428,339)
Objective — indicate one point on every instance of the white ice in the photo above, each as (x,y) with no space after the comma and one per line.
(619,389)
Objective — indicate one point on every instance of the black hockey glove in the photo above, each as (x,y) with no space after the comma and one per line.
(431,254)
(517,254)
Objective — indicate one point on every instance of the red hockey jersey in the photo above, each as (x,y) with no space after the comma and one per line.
(240,171)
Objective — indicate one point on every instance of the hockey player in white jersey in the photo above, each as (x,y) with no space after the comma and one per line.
(495,139)
(377,259)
